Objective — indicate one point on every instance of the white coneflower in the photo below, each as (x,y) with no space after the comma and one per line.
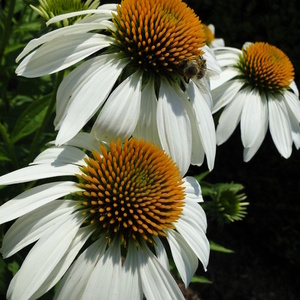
(257,89)
(150,81)
(103,228)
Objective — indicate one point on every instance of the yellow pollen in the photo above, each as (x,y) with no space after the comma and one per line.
(266,67)
(158,34)
(139,202)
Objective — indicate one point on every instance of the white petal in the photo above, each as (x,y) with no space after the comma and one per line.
(294,88)
(252,117)
(43,258)
(293,103)
(192,189)
(195,237)
(224,94)
(249,152)
(146,127)
(106,280)
(157,282)
(174,126)
(79,240)
(280,127)
(61,53)
(185,259)
(50,36)
(131,283)
(35,198)
(229,119)
(75,280)
(33,225)
(161,253)
(61,155)
(37,172)
(211,62)
(120,113)
(205,123)
(84,140)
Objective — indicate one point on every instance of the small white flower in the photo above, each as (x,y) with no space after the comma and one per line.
(211,40)
(101,230)
(143,77)
(257,89)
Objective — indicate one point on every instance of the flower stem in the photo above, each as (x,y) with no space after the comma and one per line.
(37,137)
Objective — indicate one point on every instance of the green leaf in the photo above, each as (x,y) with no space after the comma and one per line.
(200,279)
(3,274)
(4,156)
(30,119)
(216,247)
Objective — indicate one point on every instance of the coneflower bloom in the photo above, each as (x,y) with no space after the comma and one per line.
(257,89)
(211,40)
(103,222)
(143,76)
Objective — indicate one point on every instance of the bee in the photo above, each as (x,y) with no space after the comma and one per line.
(194,68)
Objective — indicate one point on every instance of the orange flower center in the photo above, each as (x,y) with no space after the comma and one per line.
(133,192)
(158,34)
(266,67)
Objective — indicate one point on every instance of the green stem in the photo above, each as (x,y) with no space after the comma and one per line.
(7,28)
(37,137)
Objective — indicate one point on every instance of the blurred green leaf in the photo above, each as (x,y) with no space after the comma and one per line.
(13,267)
(219,248)
(30,119)
(4,155)
(200,279)
(2,274)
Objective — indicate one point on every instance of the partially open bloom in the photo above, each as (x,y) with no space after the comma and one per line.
(147,76)
(103,228)
(211,40)
(257,89)
(51,8)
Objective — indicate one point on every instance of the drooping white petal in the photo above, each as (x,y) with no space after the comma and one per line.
(174,126)
(84,140)
(205,123)
(48,37)
(106,279)
(195,237)
(185,259)
(192,189)
(227,56)
(120,113)
(60,155)
(230,118)
(79,240)
(252,117)
(61,53)
(295,126)
(146,127)
(161,253)
(75,280)
(279,125)
(294,88)
(83,92)
(248,153)
(224,94)
(43,258)
(29,228)
(35,198)
(292,101)
(212,64)
(157,282)
(37,172)
(131,283)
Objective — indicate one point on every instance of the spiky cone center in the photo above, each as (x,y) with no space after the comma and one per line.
(158,35)
(266,68)
(131,192)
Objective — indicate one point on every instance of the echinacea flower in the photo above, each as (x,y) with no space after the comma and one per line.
(143,76)
(103,228)
(211,40)
(257,89)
